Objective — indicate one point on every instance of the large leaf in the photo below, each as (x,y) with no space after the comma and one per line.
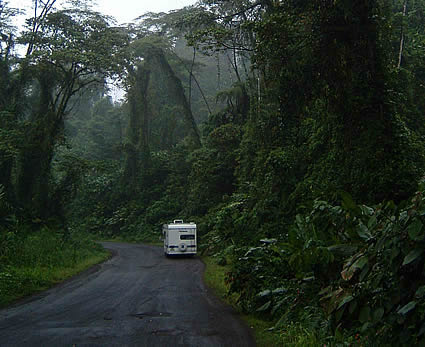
(420,292)
(264,293)
(361,262)
(364,273)
(279,290)
(348,272)
(415,230)
(413,255)
(407,308)
(422,331)
(264,307)
(378,314)
(364,314)
(348,203)
(366,210)
(364,327)
(344,301)
(352,307)
(343,249)
(363,232)
(339,313)
(372,222)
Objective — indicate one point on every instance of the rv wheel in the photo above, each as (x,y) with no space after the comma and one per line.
(182,247)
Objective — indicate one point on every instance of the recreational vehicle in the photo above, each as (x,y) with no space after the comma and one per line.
(179,238)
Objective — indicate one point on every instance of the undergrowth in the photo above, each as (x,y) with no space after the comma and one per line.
(346,274)
(33,261)
(265,336)
(307,331)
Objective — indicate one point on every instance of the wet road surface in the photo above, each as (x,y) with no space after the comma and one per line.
(137,298)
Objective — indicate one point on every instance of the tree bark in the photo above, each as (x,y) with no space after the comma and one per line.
(400,52)
(176,89)
(137,151)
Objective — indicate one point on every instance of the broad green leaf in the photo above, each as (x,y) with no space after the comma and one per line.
(364,314)
(339,314)
(364,232)
(415,230)
(342,249)
(407,308)
(378,314)
(364,327)
(364,273)
(422,331)
(268,241)
(381,242)
(348,273)
(391,205)
(361,262)
(338,334)
(326,290)
(372,222)
(279,290)
(264,307)
(420,292)
(394,253)
(346,300)
(368,211)
(352,307)
(413,255)
(264,293)
(348,203)
(299,220)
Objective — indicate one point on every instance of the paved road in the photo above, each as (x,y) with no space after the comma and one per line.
(137,298)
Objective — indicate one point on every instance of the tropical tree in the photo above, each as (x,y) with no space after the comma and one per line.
(9,130)
(70,50)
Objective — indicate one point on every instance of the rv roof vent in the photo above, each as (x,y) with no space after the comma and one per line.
(178,221)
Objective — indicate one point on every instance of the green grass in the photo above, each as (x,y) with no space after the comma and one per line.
(132,240)
(34,262)
(148,238)
(214,277)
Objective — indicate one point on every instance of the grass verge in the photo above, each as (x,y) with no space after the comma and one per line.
(132,240)
(147,238)
(214,278)
(35,262)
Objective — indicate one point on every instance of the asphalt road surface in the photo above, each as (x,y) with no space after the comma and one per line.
(137,298)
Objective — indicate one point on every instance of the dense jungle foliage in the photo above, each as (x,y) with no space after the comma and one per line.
(291,132)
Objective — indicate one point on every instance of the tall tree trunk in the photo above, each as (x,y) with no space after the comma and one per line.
(176,89)
(400,52)
(137,150)
(190,77)
(34,161)
(7,123)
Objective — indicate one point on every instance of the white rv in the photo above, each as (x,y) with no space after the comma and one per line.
(179,238)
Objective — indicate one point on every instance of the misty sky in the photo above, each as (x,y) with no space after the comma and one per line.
(123,10)
(126,10)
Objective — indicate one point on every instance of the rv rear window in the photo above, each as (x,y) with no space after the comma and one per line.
(187,237)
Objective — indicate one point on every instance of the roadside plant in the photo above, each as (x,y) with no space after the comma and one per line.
(351,267)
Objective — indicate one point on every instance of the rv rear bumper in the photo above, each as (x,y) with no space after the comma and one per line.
(190,250)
